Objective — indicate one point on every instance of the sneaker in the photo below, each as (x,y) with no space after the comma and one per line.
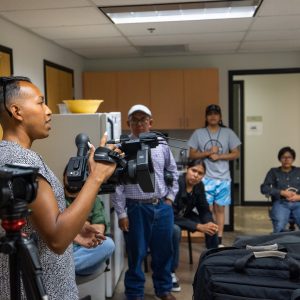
(176,287)
(221,246)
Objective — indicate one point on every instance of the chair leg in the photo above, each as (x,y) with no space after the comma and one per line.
(190,247)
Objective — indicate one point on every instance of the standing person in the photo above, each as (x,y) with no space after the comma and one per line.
(191,197)
(147,218)
(25,117)
(283,185)
(217,145)
(89,259)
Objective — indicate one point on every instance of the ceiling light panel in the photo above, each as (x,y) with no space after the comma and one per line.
(193,11)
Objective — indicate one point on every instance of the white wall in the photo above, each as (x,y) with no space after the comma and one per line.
(276,98)
(223,62)
(29,51)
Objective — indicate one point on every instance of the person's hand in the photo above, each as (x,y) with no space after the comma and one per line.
(214,149)
(214,157)
(124,224)
(100,170)
(295,197)
(210,228)
(89,237)
(287,194)
(168,202)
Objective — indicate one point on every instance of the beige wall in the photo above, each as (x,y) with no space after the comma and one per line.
(29,51)
(275,98)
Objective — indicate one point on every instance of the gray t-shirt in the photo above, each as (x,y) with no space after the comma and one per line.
(202,140)
(58,270)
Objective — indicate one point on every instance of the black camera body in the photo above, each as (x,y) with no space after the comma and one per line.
(17,184)
(134,168)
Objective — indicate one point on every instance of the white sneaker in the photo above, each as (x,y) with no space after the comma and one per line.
(176,287)
(221,246)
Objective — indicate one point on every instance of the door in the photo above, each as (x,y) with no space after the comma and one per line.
(59,84)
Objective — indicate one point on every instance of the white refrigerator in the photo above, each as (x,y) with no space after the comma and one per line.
(57,149)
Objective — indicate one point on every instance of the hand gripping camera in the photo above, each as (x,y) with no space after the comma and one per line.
(135,168)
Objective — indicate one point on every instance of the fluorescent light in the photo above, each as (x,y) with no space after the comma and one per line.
(182,11)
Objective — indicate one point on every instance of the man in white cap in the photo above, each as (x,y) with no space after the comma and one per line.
(147,218)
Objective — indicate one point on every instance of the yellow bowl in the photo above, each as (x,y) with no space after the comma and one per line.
(83,106)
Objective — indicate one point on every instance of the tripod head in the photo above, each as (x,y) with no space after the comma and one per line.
(18,187)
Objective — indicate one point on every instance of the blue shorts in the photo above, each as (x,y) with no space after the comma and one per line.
(217,191)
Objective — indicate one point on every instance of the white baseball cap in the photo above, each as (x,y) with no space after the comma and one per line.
(139,107)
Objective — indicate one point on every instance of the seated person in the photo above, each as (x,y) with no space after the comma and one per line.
(89,258)
(283,185)
(191,211)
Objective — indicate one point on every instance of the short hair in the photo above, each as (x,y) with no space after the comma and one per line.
(10,89)
(284,150)
(196,162)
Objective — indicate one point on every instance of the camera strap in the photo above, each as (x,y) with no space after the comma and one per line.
(103,154)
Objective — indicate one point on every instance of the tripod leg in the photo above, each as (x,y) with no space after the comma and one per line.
(14,277)
(31,270)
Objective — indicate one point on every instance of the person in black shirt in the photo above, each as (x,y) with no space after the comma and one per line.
(191,210)
(282,184)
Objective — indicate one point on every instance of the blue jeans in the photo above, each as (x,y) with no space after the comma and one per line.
(88,260)
(150,227)
(210,242)
(280,214)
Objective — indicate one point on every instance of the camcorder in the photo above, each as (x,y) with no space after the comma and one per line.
(134,168)
(18,186)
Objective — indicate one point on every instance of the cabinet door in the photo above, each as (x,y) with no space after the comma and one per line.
(101,85)
(132,88)
(201,88)
(167,99)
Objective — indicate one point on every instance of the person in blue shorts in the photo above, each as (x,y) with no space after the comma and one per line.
(217,145)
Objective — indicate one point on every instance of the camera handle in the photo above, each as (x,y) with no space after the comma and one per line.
(103,154)
(23,259)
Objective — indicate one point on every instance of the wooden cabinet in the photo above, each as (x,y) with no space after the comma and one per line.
(201,88)
(101,85)
(177,98)
(132,88)
(167,94)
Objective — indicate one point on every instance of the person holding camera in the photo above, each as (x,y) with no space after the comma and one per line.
(217,145)
(25,117)
(147,218)
(283,185)
(89,259)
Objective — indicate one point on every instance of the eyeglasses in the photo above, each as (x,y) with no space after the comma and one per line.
(4,81)
(141,121)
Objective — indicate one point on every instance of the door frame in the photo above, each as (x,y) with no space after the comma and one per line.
(231,81)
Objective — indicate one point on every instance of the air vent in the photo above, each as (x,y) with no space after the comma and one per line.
(157,50)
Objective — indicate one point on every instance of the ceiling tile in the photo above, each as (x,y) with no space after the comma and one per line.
(271,45)
(107,52)
(268,35)
(213,46)
(276,23)
(185,38)
(93,42)
(279,8)
(137,2)
(41,4)
(189,27)
(57,17)
(77,32)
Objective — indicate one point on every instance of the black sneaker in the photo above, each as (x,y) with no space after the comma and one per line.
(176,287)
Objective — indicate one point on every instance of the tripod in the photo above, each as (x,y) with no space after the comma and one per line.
(23,255)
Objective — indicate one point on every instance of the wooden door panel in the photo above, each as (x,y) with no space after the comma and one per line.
(132,88)
(167,98)
(201,88)
(101,85)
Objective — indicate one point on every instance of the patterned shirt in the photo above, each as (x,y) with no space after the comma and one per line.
(58,270)
(162,159)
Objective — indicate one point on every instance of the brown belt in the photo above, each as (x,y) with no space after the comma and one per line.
(153,201)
